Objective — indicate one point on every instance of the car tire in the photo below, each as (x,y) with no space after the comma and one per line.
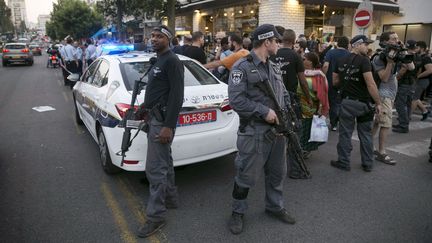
(78,119)
(104,155)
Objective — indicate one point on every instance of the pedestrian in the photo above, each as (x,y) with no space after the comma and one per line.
(163,99)
(195,51)
(386,69)
(301,47)
(318,90)
(328,68)
(423,80)
(236,45)
(406,79)
(256,151)
(90,50)
(354,77)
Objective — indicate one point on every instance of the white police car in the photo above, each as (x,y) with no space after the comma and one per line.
(206,127)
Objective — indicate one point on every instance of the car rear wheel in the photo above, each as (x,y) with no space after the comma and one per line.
(105,157)
(78,119)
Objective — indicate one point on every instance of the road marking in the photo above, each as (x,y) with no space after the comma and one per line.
(136,207)
(413,149)
(119,217)
(65,96)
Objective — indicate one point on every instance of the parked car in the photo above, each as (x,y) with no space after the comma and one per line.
(16,53)
(206,128)
(35,49)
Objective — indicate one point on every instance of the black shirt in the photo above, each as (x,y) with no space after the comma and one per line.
(352,83)
(290,64)
(195,53)
(411,75)
(425,59)
(166,86)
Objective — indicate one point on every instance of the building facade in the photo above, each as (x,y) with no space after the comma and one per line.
(306,16)
(42,20)
(19,14)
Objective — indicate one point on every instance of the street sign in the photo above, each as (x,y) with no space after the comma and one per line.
(363,18)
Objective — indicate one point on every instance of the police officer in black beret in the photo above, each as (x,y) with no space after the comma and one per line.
(256,152)
(164,99)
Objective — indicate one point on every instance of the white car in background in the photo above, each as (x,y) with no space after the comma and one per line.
(206,128)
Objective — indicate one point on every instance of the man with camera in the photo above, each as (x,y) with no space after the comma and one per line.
(353,77)
(406,77)
(385,66)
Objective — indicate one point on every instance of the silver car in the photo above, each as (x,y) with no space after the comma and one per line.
(17,53)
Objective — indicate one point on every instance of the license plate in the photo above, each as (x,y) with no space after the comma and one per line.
(54,61)
(15,57)
(187,119)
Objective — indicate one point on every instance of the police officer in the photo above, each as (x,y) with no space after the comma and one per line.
(256,110)
(89,51)
(353,76)
(163,99)
(78,54)
(69,58)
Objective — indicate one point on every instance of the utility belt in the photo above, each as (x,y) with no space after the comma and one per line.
(251,122)
(158,111)
(368,116)
(357,99)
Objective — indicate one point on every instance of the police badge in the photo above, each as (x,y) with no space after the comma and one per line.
(236,76)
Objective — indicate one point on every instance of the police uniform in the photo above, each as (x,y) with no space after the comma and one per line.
(163,99)
(78,54)
(255,151)
(69,59)
(90,50)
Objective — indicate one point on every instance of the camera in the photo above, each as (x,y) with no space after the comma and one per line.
(396,52)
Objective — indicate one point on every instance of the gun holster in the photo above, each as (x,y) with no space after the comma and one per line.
(158,112)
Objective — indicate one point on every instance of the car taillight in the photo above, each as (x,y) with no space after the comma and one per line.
(5,50)
(122,108)
(25,50)
(224,106)
(130,162)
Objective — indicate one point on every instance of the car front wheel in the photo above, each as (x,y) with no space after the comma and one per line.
(105,157)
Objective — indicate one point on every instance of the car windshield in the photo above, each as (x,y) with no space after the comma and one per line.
(195,75)
(15,46)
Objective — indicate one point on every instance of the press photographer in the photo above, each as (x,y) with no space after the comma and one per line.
(385,66)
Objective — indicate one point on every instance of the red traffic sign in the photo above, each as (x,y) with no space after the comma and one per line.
(362,18)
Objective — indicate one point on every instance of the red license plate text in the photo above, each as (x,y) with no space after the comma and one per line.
(188,119)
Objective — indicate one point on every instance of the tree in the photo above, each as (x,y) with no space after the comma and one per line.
(6,24)
(74,18)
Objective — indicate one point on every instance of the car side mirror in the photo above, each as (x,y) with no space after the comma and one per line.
(73,77)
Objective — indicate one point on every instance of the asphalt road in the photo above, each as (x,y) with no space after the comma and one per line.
(52,188)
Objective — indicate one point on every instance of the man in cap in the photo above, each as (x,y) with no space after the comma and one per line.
(353,77)
(406,77)
(256,151)
(163,99)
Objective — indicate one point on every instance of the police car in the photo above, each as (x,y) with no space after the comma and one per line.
(206,127)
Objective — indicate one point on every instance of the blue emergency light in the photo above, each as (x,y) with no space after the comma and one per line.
(117,48)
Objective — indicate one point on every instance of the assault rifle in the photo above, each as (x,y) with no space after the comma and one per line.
(128,121)
(288,125)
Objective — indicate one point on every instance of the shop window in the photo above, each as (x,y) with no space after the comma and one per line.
(321,18)
(418,32)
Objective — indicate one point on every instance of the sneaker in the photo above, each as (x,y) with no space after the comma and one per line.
(367,168)
(149,228)
(425,115)
(282,215)
(235,223)
(400,130)
(337,164)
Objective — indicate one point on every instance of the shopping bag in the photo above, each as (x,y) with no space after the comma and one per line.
(319,129)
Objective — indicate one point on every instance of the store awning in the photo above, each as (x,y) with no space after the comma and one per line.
(208,4)
(380,5)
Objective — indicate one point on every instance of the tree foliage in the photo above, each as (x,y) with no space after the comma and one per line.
(6,24)
(74,18)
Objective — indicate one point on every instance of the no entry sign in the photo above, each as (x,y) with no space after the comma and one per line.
(362,18)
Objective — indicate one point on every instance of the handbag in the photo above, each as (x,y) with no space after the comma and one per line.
(319,130)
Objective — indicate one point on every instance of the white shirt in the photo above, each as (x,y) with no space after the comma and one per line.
(90,50)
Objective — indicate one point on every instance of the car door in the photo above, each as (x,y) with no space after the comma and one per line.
(82,95)
(96,92)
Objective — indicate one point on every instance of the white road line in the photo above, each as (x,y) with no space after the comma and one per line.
(413,149)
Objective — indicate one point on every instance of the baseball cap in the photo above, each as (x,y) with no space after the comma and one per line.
(265,31)
(411,44)
(358,39)
(165,30)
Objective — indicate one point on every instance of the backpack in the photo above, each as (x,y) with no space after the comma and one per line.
(375,74)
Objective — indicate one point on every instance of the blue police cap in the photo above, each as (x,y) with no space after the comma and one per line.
(265,31)
(358,39)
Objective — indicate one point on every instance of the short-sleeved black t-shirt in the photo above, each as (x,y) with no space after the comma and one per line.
(352,83)
(411,75)
(290,64)
(425,60)
(196,53)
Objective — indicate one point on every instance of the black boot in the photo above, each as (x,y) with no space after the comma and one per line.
(235,223)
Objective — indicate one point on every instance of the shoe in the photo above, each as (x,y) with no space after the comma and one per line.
(235,223)
(149,228)
(337,164)
(396,126)
(367,168)
(385,159)
(425,115)
(298,176)
(333,128)
(400,130)
(282,215)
